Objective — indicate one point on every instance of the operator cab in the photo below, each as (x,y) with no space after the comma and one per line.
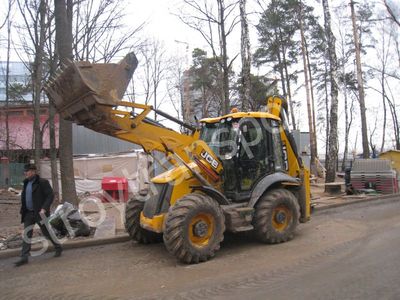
(249,149)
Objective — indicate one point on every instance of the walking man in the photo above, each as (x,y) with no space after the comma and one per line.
(36,199)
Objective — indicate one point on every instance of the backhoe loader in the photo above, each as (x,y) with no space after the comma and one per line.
(237,172)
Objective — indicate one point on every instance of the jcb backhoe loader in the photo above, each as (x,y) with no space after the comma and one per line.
(238,172)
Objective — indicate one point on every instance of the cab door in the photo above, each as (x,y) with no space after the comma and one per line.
(254,156)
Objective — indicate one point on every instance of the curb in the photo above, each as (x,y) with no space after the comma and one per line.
(71,245)
(394,197)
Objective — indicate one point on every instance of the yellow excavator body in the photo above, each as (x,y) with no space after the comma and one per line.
(237,172)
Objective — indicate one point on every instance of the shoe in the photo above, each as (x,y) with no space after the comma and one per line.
(21,262)
(58,252)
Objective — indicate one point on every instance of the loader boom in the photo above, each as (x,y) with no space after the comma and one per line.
(90,95)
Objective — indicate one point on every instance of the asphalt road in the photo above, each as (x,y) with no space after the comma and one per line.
(350,252)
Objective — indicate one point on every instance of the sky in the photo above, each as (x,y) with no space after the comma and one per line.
(180,40)
(161,23)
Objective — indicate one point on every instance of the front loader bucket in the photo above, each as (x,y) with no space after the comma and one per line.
(85,93)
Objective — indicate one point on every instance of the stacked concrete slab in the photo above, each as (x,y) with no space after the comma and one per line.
(376,174)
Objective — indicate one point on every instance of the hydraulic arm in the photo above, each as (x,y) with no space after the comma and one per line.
(90,95)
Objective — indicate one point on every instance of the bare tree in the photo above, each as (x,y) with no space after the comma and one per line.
(346,76)
(390,100)
(390,7)
(384,57)
(8,15)
(310,108)
(372,131)
(211,22)
(155,64)
(361,94)
(53,59)
(175,84)
(246,56)
(99,30)
(63,21)
(7,138)
(331,159)
(34,14)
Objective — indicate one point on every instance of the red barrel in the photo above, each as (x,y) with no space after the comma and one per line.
(115,189)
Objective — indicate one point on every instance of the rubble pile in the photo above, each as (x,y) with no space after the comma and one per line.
(10,194)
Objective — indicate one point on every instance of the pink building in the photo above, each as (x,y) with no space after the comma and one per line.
(20,120)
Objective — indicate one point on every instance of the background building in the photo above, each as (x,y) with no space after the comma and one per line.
(19,76)
(20,115)
(20,122)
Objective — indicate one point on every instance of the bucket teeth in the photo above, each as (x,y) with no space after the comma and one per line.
(78,86)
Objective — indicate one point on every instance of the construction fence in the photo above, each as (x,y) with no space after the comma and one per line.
(11,174)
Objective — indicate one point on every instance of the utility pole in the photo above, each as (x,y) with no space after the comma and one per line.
(360,83)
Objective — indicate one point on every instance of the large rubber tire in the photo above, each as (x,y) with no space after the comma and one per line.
(194,228)
(276,216)
(132,224)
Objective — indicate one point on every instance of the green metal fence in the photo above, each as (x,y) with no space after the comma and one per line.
(15,175)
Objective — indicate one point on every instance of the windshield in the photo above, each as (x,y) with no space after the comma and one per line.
(221,137)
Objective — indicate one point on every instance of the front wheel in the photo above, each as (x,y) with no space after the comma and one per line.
(194,228)
(132,224)
(276,216)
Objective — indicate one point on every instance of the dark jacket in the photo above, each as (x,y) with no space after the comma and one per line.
(42,197)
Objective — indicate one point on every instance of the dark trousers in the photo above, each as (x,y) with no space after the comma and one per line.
(29,220)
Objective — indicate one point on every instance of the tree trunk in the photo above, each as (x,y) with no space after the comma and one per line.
(326,115)
(281,73)
(313,148)
(396,125)
(53,152)
(224,56)
(246,57)
(346,132)
(396,41)
(333,134)
(289,93)
(312,97)
(63,13)
(8,87)
(384,109)
(37,81)
(155,90)
(346,109)
(360,82)
(52,132)
(383,72)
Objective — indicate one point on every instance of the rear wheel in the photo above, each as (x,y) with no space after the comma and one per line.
(194,228)
(132,224)
(276,216)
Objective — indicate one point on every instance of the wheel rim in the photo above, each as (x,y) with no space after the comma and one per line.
(201,229)
(281,218)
